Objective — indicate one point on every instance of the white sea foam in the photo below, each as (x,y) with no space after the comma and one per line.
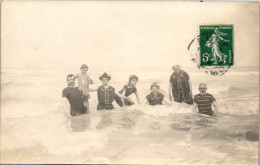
(33,122)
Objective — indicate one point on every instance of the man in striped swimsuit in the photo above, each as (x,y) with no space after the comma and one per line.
(203,101)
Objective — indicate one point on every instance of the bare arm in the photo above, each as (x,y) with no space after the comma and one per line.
(215,105)
(120,95)
(166,102)
(137,97)
(210,38)
(195,107)
(122,99)
(223,39)
(170,91)
(66,106)
(92,89)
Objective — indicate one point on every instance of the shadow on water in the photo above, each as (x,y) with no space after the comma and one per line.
(223,126)
(79,123)
(204,121)
(252,135)
(105,121)
(128,122)
(188,122)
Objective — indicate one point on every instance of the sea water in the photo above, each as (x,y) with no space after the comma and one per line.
(35,129)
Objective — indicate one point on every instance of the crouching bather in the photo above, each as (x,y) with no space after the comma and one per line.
(106,94)
(127,90)
(155,97)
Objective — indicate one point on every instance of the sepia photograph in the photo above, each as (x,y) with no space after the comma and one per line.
(129,82)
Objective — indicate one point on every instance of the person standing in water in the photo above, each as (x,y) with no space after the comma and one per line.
(155,97)
(180,87)
(83,83)
(106,94)
(73,95)
(127,90)
(203,102)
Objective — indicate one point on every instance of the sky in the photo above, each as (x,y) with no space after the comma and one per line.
(62,34)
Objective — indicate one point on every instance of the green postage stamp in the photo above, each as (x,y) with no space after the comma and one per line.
(216,45)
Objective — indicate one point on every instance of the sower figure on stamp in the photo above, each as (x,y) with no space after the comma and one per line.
(73,95)
(180,86)
(106,94)
(203,101)
(213,42)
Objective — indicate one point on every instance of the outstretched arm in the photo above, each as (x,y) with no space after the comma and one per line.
(223,39)
(122,96)
(210,38)
(92,89)
(215,105)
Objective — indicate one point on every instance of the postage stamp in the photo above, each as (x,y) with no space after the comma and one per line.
(216,45)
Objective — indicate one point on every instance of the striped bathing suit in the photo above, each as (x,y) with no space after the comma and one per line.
(204,103)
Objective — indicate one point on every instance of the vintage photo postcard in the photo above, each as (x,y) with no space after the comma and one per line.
(129,82)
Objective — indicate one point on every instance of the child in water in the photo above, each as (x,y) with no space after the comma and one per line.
(83,83)
(106,94)
(127,90)
(155,97)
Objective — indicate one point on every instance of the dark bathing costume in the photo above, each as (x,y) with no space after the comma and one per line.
(74,96)
(105,98)
(155,100)
(180,87)
(128,91)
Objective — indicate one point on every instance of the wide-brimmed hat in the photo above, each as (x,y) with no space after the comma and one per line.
(132,77)
(154,84)
(83,66)
(105,75)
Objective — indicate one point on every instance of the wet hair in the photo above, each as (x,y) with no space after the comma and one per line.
(70,75)
(154,84)
(83,66)
(132,77)
(174,66)
(203,84)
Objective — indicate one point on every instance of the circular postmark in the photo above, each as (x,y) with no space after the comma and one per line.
(212,50)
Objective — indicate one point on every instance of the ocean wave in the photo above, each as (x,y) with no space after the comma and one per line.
(115,136)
